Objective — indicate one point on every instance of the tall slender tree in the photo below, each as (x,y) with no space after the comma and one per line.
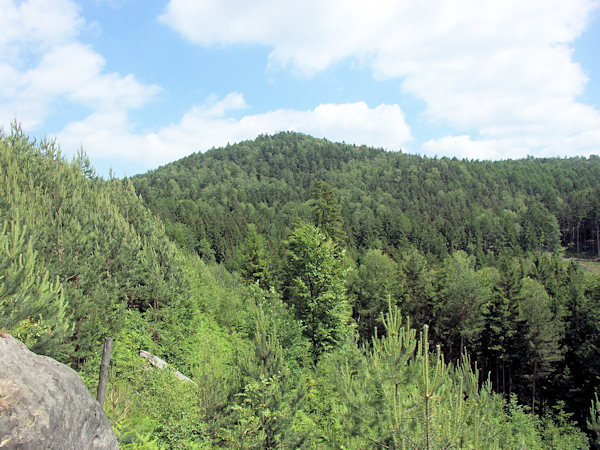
(315,285)
(542,334)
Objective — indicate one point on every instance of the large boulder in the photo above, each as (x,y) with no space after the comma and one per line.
(44,404)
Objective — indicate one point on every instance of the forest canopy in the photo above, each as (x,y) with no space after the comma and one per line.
(317,294)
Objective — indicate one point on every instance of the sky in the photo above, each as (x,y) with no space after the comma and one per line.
(138,84)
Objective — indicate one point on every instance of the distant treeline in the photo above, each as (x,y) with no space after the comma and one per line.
(387,200)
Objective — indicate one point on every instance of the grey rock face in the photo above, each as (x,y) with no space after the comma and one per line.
(44,404)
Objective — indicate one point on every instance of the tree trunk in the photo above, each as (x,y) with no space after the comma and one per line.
(104,365)
(427,422)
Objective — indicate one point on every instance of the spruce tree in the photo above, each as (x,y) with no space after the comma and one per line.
(255,262)
(326,214)
(372,286)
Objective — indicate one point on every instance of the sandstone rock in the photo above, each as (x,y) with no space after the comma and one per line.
(162,364)
(44,404)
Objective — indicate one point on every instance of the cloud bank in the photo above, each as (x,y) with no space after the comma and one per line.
(499,76)
(211,125)
(500,73)
(43,64)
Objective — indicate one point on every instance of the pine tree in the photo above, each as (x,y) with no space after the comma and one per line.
(403,395)
(269,400)
(542,335)
(32,307)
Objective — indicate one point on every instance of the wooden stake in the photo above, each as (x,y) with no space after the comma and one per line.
(104,365)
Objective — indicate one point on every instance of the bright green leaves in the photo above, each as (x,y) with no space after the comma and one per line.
(315,286)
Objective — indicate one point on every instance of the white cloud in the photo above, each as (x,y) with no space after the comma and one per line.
(212,125)
(42,64)
(494,71)
(463,147)
(35,25)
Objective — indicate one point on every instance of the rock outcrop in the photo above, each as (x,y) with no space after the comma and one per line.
(162,364)
(44,404)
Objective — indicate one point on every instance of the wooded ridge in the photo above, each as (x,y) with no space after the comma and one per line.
(318,294)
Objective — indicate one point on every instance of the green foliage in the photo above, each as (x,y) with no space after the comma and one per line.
(464,292)
(377,199)
(402,395)
(371,287)
(255,261)
(559,431)
(593,421)
(315,287)
(256,308)
(542,332)
(32,308)
(279,319)
(417,285)
(540,229)
(107,251)
(269,400)
(326,214)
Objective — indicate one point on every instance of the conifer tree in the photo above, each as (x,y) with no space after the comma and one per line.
(269,400)
(372,286)
(464,292)
(543,333)
(255,262)
(593,421)
(326,213)
(417,287)
(403,395)
(32,307)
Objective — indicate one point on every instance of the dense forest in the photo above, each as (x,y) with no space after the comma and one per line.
(386,200)
(319,295)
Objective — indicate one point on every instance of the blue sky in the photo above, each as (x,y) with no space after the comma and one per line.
(139,84)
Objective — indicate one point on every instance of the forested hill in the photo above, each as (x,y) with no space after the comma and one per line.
(387,200)
(472,249)
(295,342)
